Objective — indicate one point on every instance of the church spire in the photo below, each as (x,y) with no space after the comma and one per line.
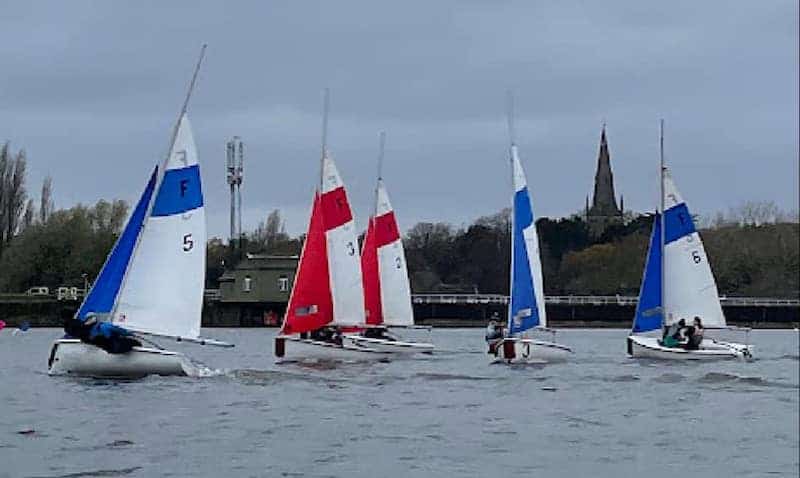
(604,202)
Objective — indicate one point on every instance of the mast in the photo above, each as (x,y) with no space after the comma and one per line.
(380,169)
(661,202)
(162,170)
(511,136)
(325,107)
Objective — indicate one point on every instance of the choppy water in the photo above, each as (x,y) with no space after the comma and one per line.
(450,415)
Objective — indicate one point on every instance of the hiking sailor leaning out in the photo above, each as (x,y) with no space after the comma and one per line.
(107,336)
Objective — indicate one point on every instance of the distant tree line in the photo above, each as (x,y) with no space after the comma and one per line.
(753,248)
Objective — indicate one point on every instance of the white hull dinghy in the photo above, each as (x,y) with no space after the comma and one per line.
(651,347)
(526,308)
(390,346)
(328,289)
(296,349)
(678,284)
(73,357)
(523,350)
(152,281)
(387,291)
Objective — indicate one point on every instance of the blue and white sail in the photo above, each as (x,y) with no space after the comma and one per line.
(689,286)
(103,294)
(649,314)
(162,292)
(526,308)
(153,279)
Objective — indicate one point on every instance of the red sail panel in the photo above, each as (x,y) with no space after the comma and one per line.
(311,304)
(335,208)
(386,231)
(371,276)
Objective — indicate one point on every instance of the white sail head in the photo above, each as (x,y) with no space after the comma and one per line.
(689,286)
(162,292)
(344,264)
(523,210)
(393,270)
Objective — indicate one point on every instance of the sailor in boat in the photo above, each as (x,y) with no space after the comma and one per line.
(107,336)
(674,334)
(494,336)
(694,335)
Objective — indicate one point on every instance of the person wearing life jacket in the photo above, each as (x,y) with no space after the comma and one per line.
(494,336)
(695,335)
(674,334)
(109,337)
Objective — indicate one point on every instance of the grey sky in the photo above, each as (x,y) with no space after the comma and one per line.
(91,90)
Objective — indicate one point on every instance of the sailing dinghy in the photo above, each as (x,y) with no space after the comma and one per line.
(327,297)
(387,292)
(152,281)
(526,308)
(678,284)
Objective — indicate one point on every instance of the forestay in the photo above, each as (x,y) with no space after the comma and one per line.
(689,286)
(527,294)
(387,291)
(162,292)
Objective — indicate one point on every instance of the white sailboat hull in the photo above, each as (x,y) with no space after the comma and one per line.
(529,351)
(391,346)
(295,349)
(640,346)
(73,357)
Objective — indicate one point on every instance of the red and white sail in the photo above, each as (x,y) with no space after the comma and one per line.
(387,292)
(328,285)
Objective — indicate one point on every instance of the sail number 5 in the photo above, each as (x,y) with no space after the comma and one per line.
(188,243)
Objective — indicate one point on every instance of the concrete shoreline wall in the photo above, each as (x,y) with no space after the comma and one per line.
(47,313)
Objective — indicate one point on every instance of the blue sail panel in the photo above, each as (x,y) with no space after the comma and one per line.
(180,191)
(678,223)
(649,311)
(101,297)
(523,312)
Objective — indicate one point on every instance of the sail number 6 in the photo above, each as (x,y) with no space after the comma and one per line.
(188,243)
(696,257)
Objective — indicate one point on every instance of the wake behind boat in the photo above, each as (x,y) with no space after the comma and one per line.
(152,281)
(387,291)
(678,286)
(526,308)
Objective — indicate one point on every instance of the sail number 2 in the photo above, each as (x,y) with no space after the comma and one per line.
(188,243)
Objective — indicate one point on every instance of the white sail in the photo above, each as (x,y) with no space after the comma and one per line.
(344,264)
(394,285)
(689,286)
(162,292)
(526,249)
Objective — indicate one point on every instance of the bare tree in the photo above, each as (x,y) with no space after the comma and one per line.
(270,232)
(12,193)
(46,202)
(27,218)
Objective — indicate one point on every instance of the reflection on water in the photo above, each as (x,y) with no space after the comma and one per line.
(452,414)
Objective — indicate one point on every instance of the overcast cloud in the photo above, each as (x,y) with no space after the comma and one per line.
(91,90)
